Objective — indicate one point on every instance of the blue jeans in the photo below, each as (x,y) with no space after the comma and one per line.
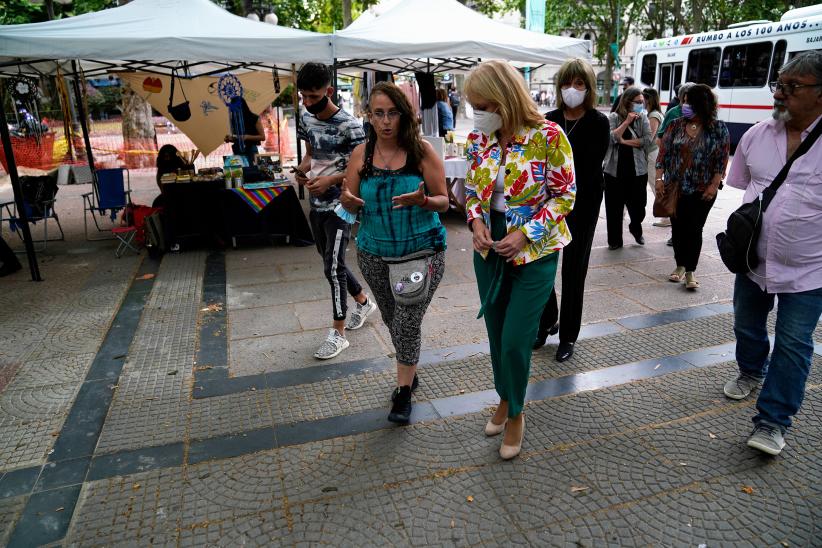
(787,369)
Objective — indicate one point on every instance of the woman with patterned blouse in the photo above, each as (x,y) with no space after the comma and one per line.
(693,154)
(519,189)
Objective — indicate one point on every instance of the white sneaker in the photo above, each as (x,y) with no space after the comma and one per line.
(360,313)
(331,346)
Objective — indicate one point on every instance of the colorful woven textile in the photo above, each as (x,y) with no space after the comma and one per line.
(259,198)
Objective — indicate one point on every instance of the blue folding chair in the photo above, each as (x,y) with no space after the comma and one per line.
(111,192)
(39,197)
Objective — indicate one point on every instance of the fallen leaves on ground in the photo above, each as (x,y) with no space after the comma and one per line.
(469,498)
(578,488)
(747,489)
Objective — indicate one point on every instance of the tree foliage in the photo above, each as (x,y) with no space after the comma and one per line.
(314,15)
(15,12)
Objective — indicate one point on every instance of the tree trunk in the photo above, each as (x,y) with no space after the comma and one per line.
(346,7)
(697,20)
(49,9)
(138,131)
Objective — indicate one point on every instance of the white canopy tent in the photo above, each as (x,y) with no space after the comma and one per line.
(443,35)
(149,36)
(152,35)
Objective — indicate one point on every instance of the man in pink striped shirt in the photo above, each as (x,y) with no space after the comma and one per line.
(789,251)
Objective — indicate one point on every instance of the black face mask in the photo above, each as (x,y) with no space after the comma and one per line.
(318,107)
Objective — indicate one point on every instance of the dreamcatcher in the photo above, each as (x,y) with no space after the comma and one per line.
(230,90)
(23,90)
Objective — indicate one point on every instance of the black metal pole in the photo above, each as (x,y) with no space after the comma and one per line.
(81,113)
(18,195)
(295,100)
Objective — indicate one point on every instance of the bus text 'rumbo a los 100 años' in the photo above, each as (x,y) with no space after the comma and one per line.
(738,63)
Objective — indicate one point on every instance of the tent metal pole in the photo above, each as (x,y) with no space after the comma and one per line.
(81,113)
(34,268)
(336,87)
(295,100)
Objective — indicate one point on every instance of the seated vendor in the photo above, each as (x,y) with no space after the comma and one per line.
(168,162)
(246,130)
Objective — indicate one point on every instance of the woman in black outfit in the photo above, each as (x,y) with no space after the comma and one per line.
(626,167)
(168,162)
(587,130)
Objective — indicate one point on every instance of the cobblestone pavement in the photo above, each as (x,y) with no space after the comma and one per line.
(176,403)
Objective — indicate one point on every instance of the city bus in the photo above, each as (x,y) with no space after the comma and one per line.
(737,63)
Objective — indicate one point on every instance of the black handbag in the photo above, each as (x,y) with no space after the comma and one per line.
(181,112)
(737,245)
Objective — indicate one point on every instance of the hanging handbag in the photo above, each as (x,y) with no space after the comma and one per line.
(181,112)
(737,245)
(410,276)
(666,196)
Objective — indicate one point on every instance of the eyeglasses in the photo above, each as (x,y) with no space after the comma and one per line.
(392,115)
(789,88)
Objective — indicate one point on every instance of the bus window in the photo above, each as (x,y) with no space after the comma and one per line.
(745,66)
(703,66)
(778,59)
(665,78)
(677,74)
(795,53)
(648,73)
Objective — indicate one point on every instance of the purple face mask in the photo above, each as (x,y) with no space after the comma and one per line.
(687,111)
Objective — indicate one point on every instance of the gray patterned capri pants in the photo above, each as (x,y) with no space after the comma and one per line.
(403,322)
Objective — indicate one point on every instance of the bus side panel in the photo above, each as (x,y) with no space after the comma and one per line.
(736,131)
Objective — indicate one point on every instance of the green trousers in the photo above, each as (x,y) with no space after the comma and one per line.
(512,298)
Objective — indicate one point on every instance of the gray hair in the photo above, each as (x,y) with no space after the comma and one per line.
(683,90)
(806,63)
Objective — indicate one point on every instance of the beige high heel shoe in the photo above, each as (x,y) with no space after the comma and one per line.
(492,429)
(508,452)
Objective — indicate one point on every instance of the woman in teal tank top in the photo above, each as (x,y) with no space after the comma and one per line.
(397,183)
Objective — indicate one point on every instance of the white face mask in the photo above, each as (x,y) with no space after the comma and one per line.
(487,122)
(573,97)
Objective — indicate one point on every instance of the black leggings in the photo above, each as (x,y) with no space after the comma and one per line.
(575,258)
(686,228)
(621,193)
(404,322)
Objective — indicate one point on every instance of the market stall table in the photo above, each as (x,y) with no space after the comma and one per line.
(208,210)
(455,170)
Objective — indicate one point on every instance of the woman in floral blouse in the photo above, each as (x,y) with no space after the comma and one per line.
(519,189)
(693,154)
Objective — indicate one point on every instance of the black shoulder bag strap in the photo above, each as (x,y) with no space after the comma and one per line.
(171,92)
(770,192)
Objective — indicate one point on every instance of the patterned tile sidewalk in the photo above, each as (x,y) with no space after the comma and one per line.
(147,403)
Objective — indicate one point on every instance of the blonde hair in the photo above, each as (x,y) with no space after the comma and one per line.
(499,83)
(570,71)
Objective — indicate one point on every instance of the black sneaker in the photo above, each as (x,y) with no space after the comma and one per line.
(401,410)
(414,384)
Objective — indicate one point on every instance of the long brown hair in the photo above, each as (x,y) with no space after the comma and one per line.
(625,106)
(408,136)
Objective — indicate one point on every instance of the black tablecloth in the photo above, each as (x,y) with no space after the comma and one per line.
(207,210)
